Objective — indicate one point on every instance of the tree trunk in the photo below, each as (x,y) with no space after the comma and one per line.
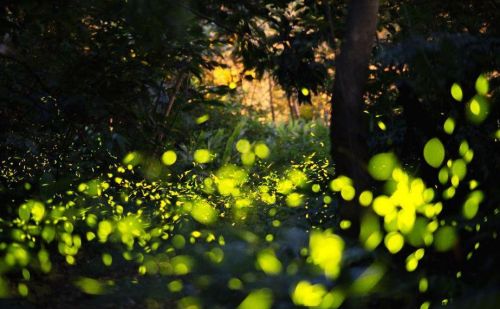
(290,106)
(271,103)
(348,127)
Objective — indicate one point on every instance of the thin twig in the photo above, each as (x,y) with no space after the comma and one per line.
(177,87)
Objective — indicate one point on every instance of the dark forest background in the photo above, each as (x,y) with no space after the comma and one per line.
(215,154)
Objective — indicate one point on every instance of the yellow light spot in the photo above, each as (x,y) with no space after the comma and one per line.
(381,125)
(471,205)
(243,202)
(338,183)
(345,224)
(107,259)
(234,284)
(382,165)
(90,236)
(425,305)
(482,85)
(268,198)
(304,91)
(181,264)
(178,241)
(175,286)
(370,235)
(419,254)
(233,85)
(82,187)
(298,178)
(26,274)
(405,220)
(445,238)
(202,119)
(459,168)
(307,294)
(202,156)
(48,233)
(423,285)
(473,184)
(449,125)
(368,280)
(443,175)
(132,158)
(22,289)
(189,302)
(294,199)
(428,195)
(477,109)
(449,193)
(469,155)
(456,92)
(226,186)
(248,158)
(284,186)
(37,210)
(382,205)
(463,148)
(411,263)
(262,151)
(262,298)
(90,286)
(347,193)
(365,198)
(204,213)
(104,229)
(333,299)
(434,152)
(243,146)
(268,262)
(169,157)
(326,251)
(394,242)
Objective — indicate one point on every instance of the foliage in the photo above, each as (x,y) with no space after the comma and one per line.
(129,180)
(184,227)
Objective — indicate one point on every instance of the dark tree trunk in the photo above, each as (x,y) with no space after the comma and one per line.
(348,127)
(291,107)
(271,103)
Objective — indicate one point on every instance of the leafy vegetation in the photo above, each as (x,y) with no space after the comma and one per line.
(138,169)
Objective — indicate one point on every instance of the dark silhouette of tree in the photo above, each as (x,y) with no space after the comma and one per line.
(348,132)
